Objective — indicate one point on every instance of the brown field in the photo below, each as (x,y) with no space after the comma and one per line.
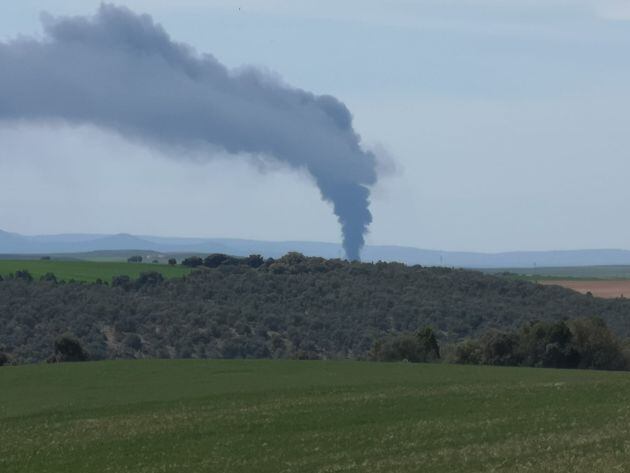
(599,288)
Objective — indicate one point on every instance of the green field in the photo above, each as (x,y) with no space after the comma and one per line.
(86,270)
(571,272)
(292,416)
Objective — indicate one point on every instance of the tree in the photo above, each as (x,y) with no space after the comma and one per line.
(172,261)
(419,347)
(598,348)
(134,259)
(500,348)
(254,261)
(23,275)
(49,277)
(217,259)
(149,278)
(122,281)
(4,359)
(428,347)
(469,352)
(68,349)
(547,344)
(192,262)
(133,341)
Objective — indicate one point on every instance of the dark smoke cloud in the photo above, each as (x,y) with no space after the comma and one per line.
(122,71)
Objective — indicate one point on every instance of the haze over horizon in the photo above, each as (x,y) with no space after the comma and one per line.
(505,127)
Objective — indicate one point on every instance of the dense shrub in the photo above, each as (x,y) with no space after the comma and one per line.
(149,278)
(469,352)
(415,347)
(68,349)
(192,262)
(123,281)
(23,275)
(597,346)
(49,277)
(582,343)
(300,307)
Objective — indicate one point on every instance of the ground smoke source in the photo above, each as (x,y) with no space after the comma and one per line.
(122,71)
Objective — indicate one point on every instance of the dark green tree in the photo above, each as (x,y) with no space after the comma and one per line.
(428,347)
(192,262)
(68,349)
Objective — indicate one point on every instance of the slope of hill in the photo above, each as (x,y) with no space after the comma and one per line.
(293,307)
(308,417)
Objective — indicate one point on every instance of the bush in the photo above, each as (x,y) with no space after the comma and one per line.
(68,349)
(218,259)
(23,275)
(548,344)
(254,261)
(598,348)
(134,259)
(149,278)
(468,352)
(49,277)
(585,343)
(133,342)
(419,347)
(428,346)
(4,359)
(172,261)
(122,281)
(192,262)
(500,348)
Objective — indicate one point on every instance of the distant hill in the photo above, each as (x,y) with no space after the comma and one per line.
(15,244)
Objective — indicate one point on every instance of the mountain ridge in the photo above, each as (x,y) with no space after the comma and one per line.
(16,244)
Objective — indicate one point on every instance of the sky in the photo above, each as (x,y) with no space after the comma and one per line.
(499,125)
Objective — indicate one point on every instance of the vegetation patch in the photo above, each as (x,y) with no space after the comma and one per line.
(293,307)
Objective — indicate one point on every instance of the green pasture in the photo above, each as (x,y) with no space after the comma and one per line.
(88,271)
(310,416)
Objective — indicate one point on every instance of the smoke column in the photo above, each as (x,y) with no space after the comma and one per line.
(121,71)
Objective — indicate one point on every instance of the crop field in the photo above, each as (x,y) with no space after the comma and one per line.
(570,272)
(598,287)
(310,416)
(87,271)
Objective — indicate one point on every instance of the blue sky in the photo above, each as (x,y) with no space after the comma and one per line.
(505,124)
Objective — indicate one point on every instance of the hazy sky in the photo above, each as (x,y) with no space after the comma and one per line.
(506,123)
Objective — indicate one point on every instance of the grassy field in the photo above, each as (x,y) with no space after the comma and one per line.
(571,272)
(87,270)
(286,416)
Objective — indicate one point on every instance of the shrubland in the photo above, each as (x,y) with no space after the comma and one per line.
(292,307)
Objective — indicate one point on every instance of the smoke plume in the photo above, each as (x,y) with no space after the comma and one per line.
(122,71)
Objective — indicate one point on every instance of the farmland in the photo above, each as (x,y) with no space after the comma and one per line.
(597,287)
(87,271)
(291,416)
(601,281)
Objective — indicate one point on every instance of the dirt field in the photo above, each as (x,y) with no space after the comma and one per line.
(599,288)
